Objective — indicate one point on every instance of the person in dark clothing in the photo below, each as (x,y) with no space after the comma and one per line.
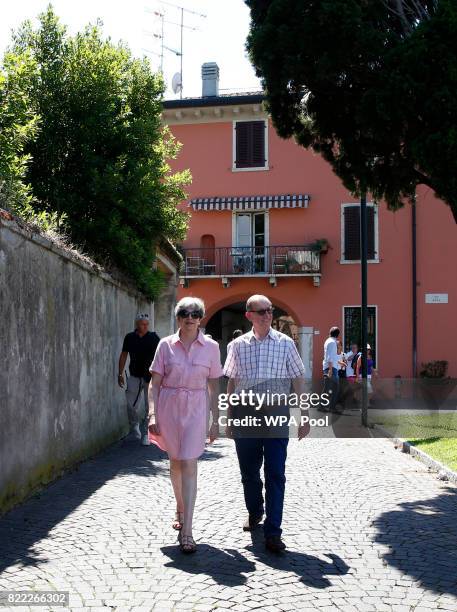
(141,346)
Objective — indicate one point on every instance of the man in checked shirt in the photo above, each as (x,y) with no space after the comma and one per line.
(264,360)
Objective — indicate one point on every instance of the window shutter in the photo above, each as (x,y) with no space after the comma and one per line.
(258,144)
(370,232)
(351,232)
(250,144)
(242,144)
(352,245)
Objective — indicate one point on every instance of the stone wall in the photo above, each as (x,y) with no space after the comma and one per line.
(62,325)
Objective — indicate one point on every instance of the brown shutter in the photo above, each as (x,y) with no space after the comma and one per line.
(370,232)
(242,144)
(352,232)
(250,144)
(258,144)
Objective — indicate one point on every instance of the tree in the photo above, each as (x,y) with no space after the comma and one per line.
(369,85)
(99,159)
(18,124)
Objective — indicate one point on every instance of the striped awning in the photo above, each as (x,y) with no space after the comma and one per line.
(251,202)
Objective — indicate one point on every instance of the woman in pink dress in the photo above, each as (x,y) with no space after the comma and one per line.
(185,374)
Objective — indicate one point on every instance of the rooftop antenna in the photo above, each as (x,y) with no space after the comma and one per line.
(162,37)
(163,46)
(181,25)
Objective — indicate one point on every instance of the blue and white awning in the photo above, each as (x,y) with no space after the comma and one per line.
(251,202)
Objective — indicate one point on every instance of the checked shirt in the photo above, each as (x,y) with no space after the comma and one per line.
(264,365)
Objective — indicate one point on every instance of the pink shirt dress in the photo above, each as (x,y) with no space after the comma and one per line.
(182,408)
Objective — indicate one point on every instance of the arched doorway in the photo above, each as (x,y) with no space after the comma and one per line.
(231,317)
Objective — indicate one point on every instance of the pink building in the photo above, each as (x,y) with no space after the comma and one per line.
(271,217)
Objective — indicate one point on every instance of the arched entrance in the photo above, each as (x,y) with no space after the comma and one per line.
(225,321)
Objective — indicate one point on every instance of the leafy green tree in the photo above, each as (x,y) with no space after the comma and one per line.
(18,124)
(99,159)
(369,85)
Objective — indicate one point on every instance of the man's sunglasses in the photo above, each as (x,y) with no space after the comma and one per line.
(263,311)
(195,314)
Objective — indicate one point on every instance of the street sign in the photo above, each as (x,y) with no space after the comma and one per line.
(436,298)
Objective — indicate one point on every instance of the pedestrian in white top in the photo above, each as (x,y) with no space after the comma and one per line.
(351,358)
(330,361)
(330,368)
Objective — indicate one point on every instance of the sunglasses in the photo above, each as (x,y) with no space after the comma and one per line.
(195,314)
(263,311)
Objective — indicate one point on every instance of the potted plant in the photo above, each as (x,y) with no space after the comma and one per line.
(291,265)
(321,245)
(434,385)
(434,369)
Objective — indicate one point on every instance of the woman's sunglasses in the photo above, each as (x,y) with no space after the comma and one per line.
(195,314)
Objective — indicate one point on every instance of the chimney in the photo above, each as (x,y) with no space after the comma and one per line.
(210,79)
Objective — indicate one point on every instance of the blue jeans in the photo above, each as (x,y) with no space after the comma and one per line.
(252,452)
(331,383)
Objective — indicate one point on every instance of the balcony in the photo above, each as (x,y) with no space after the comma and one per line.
(233,262)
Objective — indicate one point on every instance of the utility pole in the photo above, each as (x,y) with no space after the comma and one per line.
(364,309)
(414,283)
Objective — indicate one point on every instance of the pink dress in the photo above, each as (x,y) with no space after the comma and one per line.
(182,407)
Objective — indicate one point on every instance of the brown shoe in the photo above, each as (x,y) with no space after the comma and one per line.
(251,522)
(274,544)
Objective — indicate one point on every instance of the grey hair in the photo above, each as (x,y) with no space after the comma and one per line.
(189,302)
(256,298)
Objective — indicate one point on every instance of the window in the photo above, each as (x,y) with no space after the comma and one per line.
(250,145)
(350,232)
(249,242)
(352,316)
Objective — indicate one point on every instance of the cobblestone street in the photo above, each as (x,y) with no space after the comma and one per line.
(367,528)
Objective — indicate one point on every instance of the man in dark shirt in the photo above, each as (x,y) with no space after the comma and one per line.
(141,346)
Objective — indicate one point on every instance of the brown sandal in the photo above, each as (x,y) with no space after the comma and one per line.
(187,544)
(178,522)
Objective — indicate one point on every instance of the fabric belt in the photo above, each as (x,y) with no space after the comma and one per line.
(184,389)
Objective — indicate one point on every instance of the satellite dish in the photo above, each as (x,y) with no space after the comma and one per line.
(176,83)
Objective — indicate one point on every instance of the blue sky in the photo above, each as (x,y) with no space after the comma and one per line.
(221,35)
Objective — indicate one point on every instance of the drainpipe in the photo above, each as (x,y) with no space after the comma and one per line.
(414,281)
(364,304)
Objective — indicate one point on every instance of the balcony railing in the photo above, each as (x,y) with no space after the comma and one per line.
(284,260)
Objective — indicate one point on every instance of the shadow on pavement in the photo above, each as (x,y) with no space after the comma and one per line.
(422,538)
(210,454)
(311,570)
(23,527)
(225,566)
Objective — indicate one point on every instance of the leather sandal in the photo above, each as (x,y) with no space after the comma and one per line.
(187,544)
(178,522)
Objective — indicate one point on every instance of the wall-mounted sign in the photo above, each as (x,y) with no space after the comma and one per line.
(436,298)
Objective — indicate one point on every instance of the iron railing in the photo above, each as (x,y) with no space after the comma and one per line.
(281,260)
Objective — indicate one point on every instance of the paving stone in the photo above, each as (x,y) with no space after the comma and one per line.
(367,528)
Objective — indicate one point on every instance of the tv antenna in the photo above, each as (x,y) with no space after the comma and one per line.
(182,26)
(162,47)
